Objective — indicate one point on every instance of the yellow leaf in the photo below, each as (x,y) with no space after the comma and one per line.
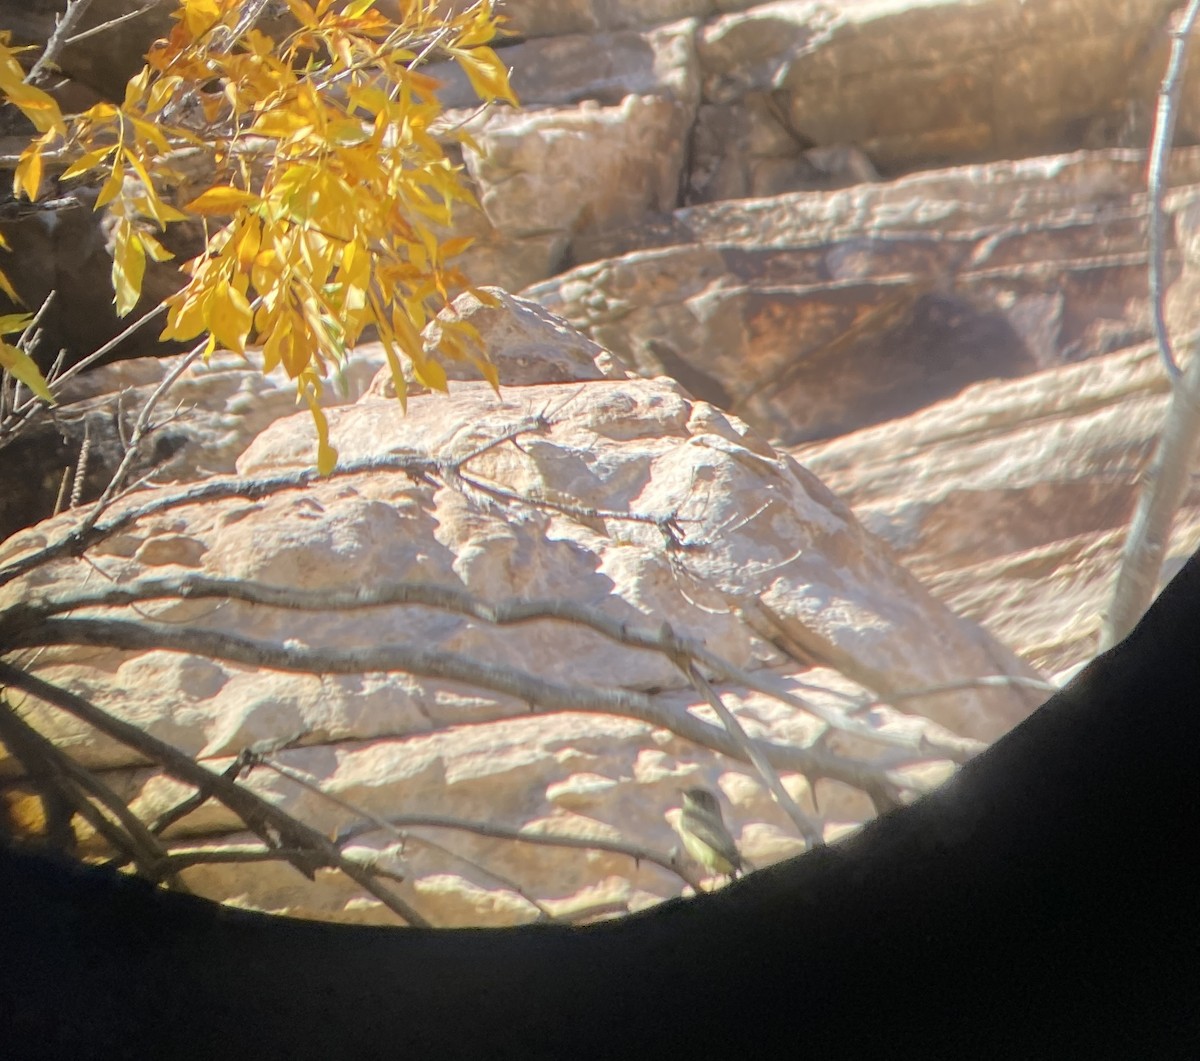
(161,93)
(7,287)
(186,318)
(267,269)
(368,98)
(486,298)
(152,204)
(128,269)
(246,240)
(21,366)
(464,327)
(210,105)
(489,371)
(481,29)
(326,455)
(456,246)
(199,15)
(150,131)
(302,12)
(389,348)
(431,374)
(280,124)
(100,113)
(112,186)
(358,8)
(278,345)
(229,317)
(346,132)
(27,177)
(289,344)
(36,105)
(87,161)
(14,322)
(165,212)
(135,88)
(487,74)
(155,249)
(222,200)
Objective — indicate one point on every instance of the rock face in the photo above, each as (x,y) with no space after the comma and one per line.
(633,110)
(812,314)
(692,103)
(623,495)
(1011,499)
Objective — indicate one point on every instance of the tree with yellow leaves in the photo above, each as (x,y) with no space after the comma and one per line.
(326,180)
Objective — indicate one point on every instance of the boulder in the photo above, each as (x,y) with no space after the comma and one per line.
(625,496)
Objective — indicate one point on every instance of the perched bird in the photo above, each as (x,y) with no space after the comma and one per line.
(704,834)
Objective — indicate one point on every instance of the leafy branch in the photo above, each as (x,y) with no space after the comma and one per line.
(326,182)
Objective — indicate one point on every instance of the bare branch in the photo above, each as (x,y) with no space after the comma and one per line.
(416,465)
(1160,150)
(140,429)
(313,785)
(85,449)
(112,344)
(260,816)
(180,858)
(112,23)
(196,800)
(807,827)
(1166,477)
(447,666)
(1163,487)
(31,327)
(11,408)
(64,25)
(143,847)
(500,613)
(522,835)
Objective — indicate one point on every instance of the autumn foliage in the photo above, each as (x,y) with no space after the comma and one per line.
(328,186)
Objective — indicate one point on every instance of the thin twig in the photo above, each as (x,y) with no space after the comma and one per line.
(506,613)
(81,465)
(140,429)
(104,27)
(541,694)
(508,832)
(193,802)
(136,839)
(985,681)
(276,828)
(809,829)
(505,881)
(1165,482)
(251,759)
(60,502)
(64,25)
(59,800)
(225,37)
(1160,150)
(35,320)
(418,466)
(87,362)
(180,858)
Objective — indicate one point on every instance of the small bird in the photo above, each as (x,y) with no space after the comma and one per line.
(705,836)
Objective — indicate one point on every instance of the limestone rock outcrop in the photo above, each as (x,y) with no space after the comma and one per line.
(632,110)
(623,495)
(812,314)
